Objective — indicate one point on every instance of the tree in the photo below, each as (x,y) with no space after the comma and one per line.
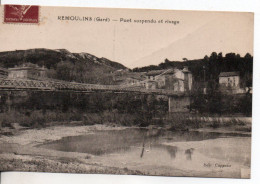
(166,61)
(64,69)
(184,59)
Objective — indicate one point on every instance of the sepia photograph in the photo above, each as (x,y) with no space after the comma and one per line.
(126,91)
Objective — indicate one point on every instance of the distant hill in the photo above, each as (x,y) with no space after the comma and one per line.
(49,58)
(62,64)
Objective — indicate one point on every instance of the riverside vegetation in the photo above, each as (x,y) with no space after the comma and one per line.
(39,110)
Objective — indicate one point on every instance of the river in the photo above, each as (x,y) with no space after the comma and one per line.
(161,152)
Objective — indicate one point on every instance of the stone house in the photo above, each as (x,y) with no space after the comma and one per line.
(150,84)
(229,79)
(124,77)
(171,79)
(229,82)
(134,81)
(27,71)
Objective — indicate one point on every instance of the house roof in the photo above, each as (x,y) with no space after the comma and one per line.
(167,71)
(136,78)
(159,72)
(151,81)
(228,74)
(26,68)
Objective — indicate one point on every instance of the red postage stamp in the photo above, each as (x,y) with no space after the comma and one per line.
(21,14)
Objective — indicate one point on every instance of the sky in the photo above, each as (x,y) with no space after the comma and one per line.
(198,33)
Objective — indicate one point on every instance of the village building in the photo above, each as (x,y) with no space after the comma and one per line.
(27,71)
(229,82)
(187,78)
(126,78)
(134,81)
(151,84)
(229,79)
(170,79)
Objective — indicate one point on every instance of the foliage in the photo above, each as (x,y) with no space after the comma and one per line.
(180,121)
(222,104)
(39,108)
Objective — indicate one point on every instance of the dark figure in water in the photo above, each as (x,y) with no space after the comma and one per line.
(189,153)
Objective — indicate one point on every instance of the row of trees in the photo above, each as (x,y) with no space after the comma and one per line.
(93,102)
(222,104)
(148,106)
(141,109)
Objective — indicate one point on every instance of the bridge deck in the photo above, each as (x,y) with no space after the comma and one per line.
(56,85)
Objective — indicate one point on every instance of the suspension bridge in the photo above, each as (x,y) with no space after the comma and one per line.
(177,101)
(7,84)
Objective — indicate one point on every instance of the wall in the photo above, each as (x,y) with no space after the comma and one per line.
(178,74)
(160,79)
(26,73)
(17,74)
(150,85)
(188,81)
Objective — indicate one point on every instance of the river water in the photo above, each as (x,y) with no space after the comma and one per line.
(161,152)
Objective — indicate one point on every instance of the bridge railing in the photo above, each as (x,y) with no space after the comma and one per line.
(58,85)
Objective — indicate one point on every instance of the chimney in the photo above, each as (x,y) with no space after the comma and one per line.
(185,69)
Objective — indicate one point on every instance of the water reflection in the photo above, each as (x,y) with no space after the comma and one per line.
(172,150)
(123,141)
(142,152)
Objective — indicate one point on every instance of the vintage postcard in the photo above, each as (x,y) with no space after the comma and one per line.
(126,91)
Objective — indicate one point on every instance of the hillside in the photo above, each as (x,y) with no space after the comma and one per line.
(64,65)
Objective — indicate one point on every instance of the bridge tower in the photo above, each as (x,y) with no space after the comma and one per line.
(178,103)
